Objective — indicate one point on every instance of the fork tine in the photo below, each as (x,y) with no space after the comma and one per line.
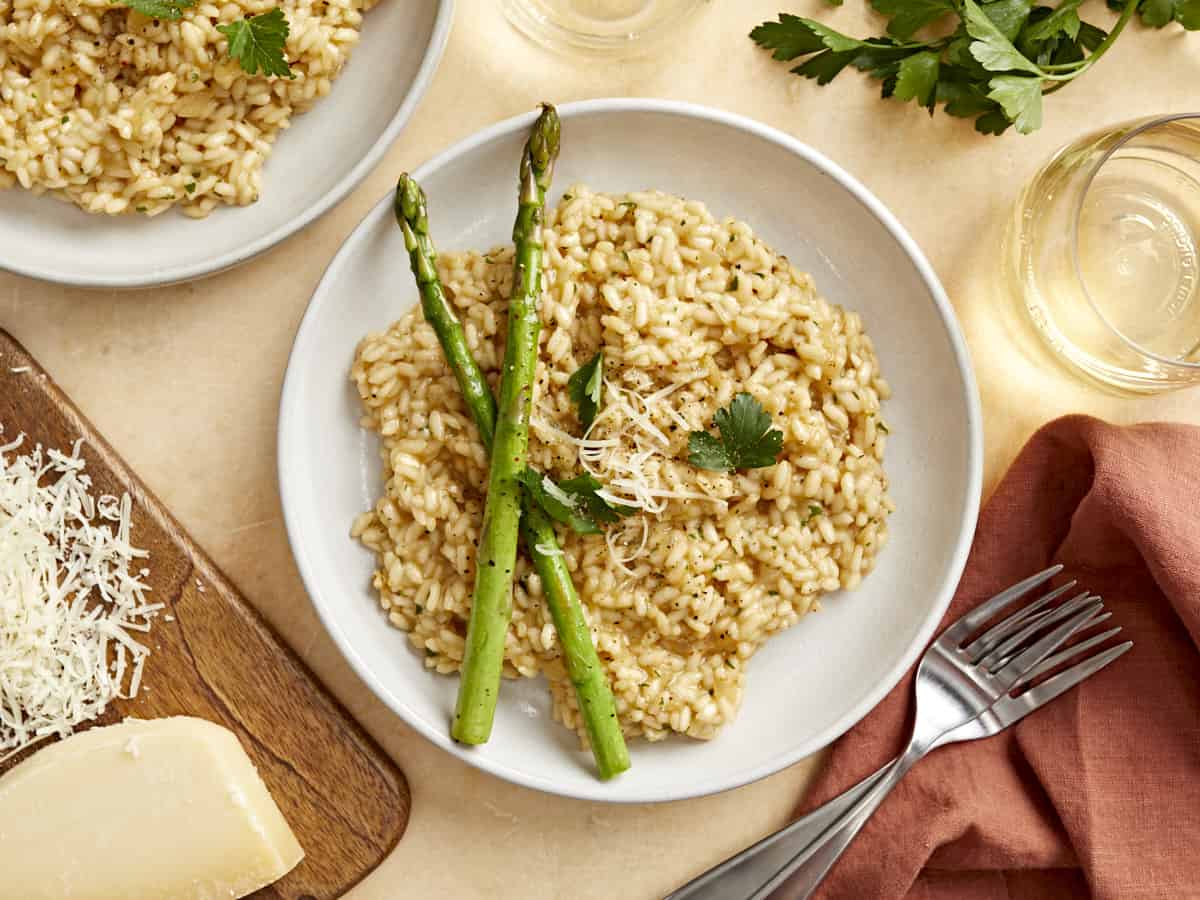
(1008,709)
(1100,615)
(997,656)
(959,631)
(1062,656)
(1064,681)
(998,632)
(1013,670)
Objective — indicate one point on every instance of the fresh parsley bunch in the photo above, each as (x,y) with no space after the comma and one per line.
(996,64)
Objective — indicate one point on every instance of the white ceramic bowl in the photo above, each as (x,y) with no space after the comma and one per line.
(809,684)
(312,166)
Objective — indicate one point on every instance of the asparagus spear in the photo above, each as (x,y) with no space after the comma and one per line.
(583,665)
(596,703)
(413,219)
(491,607)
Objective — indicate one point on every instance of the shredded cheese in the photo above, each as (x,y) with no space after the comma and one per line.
(556,492)
(69,599)
(627,460)
(615,537)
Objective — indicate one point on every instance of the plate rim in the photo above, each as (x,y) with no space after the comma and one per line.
(181,274)
(291,406)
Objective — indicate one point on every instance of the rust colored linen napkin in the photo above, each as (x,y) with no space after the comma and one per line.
(1096,794)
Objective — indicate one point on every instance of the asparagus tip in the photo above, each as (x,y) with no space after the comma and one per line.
(409,204)
(542,147)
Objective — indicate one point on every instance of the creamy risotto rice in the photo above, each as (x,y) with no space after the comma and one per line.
(118,113)
(689,311)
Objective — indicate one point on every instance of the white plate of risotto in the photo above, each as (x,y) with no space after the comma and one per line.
(744,619)
(159,141)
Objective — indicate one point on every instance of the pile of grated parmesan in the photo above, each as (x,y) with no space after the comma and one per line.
(68,597)
(623,461)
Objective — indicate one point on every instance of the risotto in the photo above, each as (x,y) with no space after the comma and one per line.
(116,112)
(689,311)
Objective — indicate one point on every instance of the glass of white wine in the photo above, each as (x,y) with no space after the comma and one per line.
(598,26)
(1104,252)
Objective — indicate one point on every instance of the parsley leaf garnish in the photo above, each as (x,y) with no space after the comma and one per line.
(789,38)
(987,60)
(583,488)
(258,43)
(917,77)
(1021,100)
(907,17)
(1159,13)
(834,40)
(1187,14)
(159,9)
(585,388)
(747,439)
(1046,25)
(994,51)
(556,503)
(573,502)
(1008,15)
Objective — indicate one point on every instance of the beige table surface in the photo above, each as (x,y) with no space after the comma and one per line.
(185,383)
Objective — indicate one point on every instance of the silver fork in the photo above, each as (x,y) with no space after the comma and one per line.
(964,692)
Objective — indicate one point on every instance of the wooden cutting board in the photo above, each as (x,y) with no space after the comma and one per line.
(347,802)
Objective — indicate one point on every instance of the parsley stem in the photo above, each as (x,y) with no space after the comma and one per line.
(1064,67)
(1103,47)
(1126,15)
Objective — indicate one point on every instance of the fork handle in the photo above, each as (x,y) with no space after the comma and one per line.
(812,863)
(744,874)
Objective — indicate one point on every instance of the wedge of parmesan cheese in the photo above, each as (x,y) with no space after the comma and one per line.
(161,809)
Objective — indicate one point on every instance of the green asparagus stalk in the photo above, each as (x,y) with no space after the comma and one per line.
(595,698)
(491,606)
(413,219)
(596,703)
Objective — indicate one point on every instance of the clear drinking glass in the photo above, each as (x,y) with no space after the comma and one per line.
(1104,251)
(597,26)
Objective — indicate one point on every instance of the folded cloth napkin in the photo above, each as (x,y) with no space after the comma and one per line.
(1098,793)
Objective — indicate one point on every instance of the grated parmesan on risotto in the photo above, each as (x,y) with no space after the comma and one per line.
(116,112)
(689,311)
